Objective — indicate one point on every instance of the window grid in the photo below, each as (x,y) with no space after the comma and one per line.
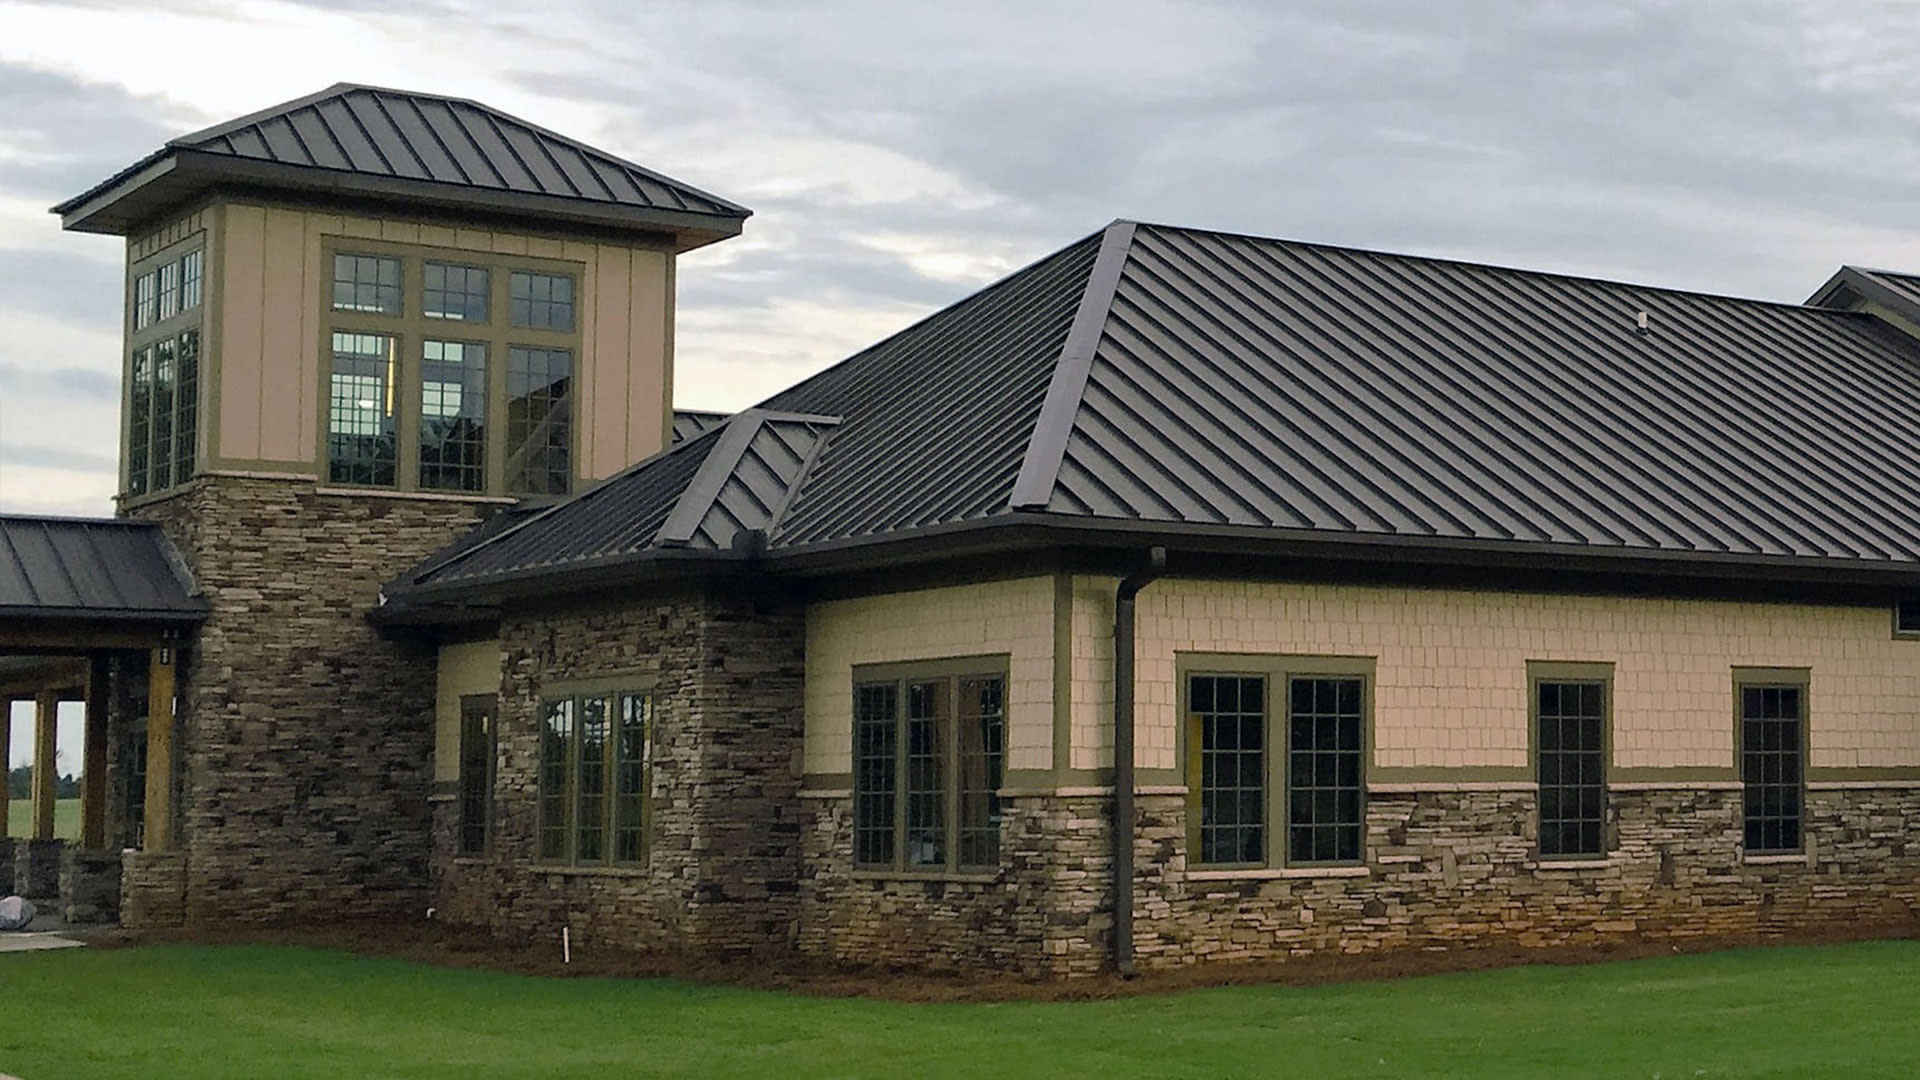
(169,290)
(160,460)
(139,421)
(1324,751)
(926,739)
(1770,759)
(186,403)
(875,765)
(556,787)
(476,777)
(593,776)
(539,420)
(631,763)
(453,411)
(1233,769)
(1573,783)
(590,845)
(983,736)
(192,269)
(360,424)
(366,283)
(540,301)
(143,301)
(454,292)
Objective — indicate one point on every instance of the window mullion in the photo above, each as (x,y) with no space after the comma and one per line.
(900,782)
(1278,741)
(950,777)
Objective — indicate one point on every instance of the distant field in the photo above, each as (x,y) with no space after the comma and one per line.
(66,818)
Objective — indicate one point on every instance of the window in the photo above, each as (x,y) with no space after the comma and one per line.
(455,292)
(1306,777)
(143,301)
(162,418)
(366,283)
(476,773)
(541,301)
(929,751)
(594,774)
(1772,739)
(453,416)
(190,274)
(539,420)
(169,275)
(140,422)
(1570,729)
(360,432)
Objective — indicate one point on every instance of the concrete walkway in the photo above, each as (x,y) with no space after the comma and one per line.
(35,941)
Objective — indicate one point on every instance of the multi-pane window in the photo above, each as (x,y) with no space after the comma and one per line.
(361,445)
(1570,718)
(541,301)
(192,269)
(476,774)
(453,416)
(1772,740)
(1251,777)
(594,775)
(449,291)
(929,752)
(539,420)
(169,289)
(143,300)
(163,375)
(366,283)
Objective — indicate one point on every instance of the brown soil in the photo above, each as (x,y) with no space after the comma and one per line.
(442,945)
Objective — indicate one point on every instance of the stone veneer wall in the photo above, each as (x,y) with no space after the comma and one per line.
(304,736)
(722,856)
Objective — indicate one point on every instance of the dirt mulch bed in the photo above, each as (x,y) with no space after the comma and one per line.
(443,945)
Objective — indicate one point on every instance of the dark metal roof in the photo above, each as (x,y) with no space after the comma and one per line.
(688,423)
(1205,384)
(366,140)
(54,567)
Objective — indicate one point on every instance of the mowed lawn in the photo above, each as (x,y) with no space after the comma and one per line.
(66,819)
(245,1011)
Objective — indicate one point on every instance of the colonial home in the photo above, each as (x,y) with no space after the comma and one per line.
(1181,597)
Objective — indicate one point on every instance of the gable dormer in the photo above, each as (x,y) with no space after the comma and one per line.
(1891,297)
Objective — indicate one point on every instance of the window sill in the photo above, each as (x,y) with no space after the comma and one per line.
(443,798)
(424,496)
(957,878)
(1777,858)
(1573,865)
(1279,873)
(472,860)
(592,871)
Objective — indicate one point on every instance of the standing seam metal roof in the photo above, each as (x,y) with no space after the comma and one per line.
(92,568)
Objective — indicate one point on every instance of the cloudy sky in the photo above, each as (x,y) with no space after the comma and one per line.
(900,155)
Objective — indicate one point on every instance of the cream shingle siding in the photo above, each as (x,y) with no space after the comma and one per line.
(1011,617)
(1451,668)
(464,668)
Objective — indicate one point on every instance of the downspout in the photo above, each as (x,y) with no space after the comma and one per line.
(1123,634)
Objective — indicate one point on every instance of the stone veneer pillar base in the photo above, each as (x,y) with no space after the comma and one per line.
(153,888)
(89,886)
(36,869)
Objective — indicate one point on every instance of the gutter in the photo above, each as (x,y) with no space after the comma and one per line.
(1123,784)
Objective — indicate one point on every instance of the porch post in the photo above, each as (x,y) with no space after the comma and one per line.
(6,756)
(93,780)
(159,806)
(46,775)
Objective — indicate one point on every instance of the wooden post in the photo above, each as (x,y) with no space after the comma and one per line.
(6,758)
(46,775)
(159,811)
(93,778)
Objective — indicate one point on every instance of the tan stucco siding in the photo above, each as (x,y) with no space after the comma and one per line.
(273,280)
(1451,668)
(464,668)
(1010,617)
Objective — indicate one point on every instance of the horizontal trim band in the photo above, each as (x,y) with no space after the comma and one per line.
(1280,873)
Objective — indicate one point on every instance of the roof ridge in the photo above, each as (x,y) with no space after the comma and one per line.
(1040,467)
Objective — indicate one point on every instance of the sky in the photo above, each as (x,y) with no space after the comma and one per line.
(899,156)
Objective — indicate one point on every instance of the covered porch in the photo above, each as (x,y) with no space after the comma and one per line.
(93,612)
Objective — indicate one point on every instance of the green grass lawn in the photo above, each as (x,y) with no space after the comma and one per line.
(251,1011)
(66,820)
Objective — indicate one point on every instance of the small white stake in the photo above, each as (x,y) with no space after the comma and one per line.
(566,944)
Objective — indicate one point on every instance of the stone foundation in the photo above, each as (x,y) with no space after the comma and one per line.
(36,870)
(153,890)
(89,886)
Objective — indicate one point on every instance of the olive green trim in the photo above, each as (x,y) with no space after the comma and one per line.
(1275,669)
(1572,671)
(632,681)
(1653,774)
(1449,774)
(445,789)
(1863,773)
(1800,678)
(1062,674)
(994,664)
(410,327)
(836,781)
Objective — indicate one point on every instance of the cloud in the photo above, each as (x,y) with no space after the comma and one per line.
(60,134)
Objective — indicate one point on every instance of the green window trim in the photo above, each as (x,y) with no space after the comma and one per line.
(161,428)
(1770,713)
(1570,723)
(929,760)
(1268,795)
(475,784)
(595,778)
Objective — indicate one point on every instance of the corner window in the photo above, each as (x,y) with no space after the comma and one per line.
(454,292)
(1906,619)
(476,774)
(453,416)
(539,420)
(1772,713)
(929,754)
(1294,766)
(1570,739)
(163,375)
(594,774)
(360,431)
(143,300)
(541,301)
(366,283)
